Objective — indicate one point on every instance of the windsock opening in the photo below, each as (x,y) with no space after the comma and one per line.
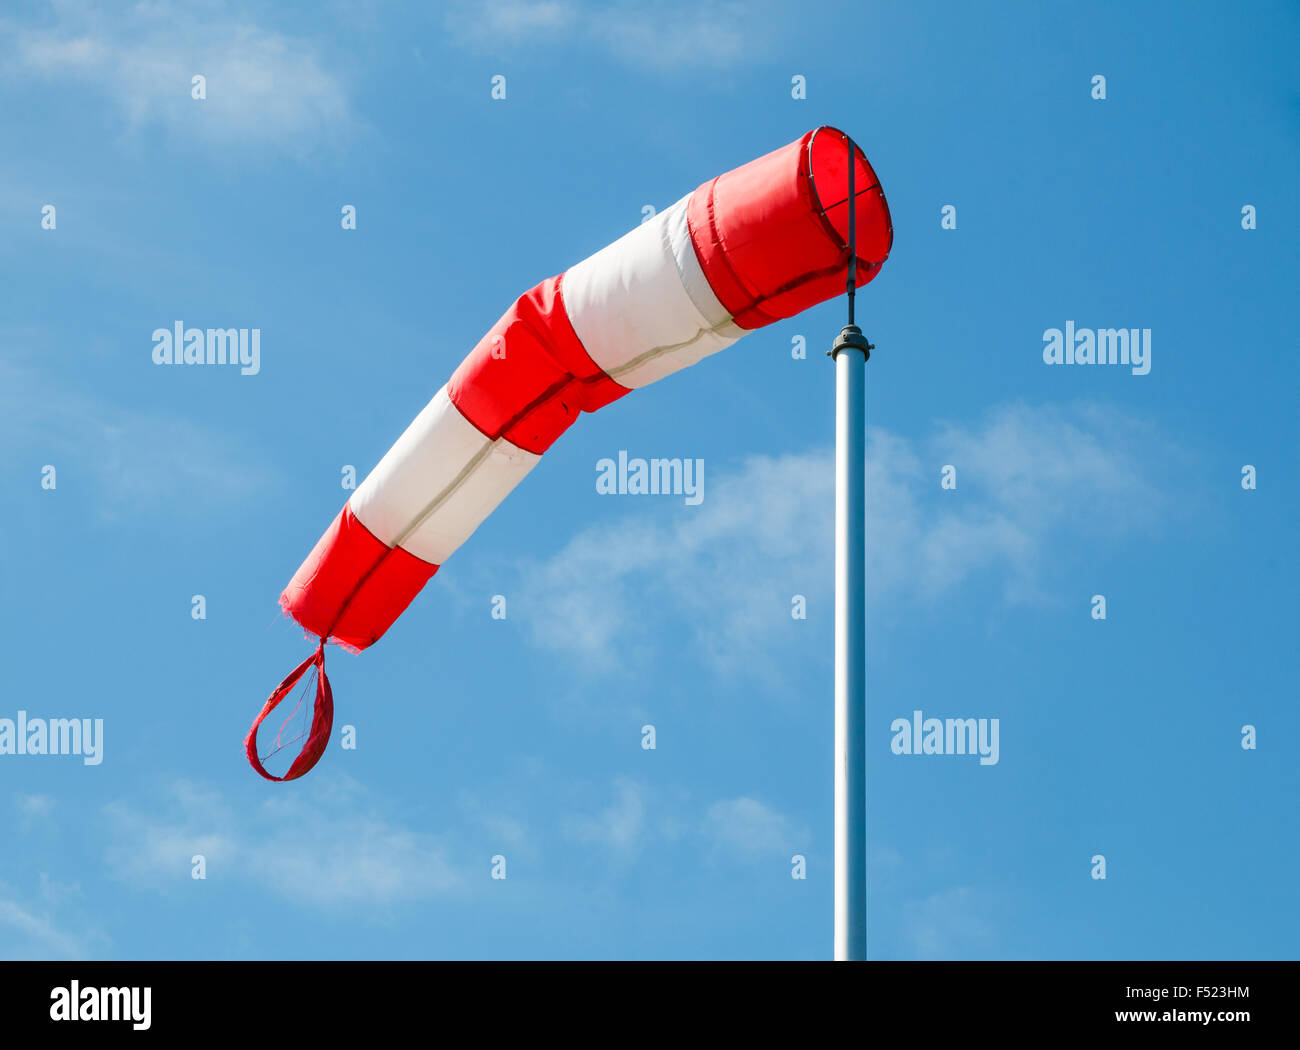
(828,174)
(772,235)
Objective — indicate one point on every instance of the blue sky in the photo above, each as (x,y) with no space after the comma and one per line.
(479,737)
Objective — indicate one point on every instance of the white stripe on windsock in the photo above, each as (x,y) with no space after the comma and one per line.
(642,306)
(438,482)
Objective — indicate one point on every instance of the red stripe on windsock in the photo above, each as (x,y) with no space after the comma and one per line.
(530,376)
(772,235)
(352,586)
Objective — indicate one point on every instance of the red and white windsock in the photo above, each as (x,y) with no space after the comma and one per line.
(758,244)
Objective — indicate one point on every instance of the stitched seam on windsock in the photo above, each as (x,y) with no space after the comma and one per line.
(724,326)
(676,237)
(456,483)
(659,351)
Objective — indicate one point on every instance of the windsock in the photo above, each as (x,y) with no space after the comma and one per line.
(761,243)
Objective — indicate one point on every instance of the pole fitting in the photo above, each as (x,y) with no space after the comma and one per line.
(851,338)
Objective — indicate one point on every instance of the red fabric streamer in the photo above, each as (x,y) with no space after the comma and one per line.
(322,722)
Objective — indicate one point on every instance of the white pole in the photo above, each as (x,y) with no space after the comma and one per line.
(850,656)
(850,352)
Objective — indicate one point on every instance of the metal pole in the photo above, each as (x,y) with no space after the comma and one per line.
(850,352)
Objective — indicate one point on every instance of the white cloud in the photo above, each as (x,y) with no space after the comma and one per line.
(636,818)
(666,36)
(50,928)
(35,935)
(264,88)
(950,924)
(502,829)
(1029,481)
(153,849)
(620,826)
(141,460)
(328,852)
(747,826)
(513,19)
(729,567)
(329,861)
(35,806)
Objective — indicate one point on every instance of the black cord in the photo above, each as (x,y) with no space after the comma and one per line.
(853,227)
(851,336)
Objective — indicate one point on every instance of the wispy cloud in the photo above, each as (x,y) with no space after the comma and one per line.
(512,19)
(746,826)
(950,924)
(1027,479)
(36,807)
(637,818)
(140,461)
(264,88)
(620,826)
(51,927)
(503,829)
(729,567)
(334,851)
(679,35)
